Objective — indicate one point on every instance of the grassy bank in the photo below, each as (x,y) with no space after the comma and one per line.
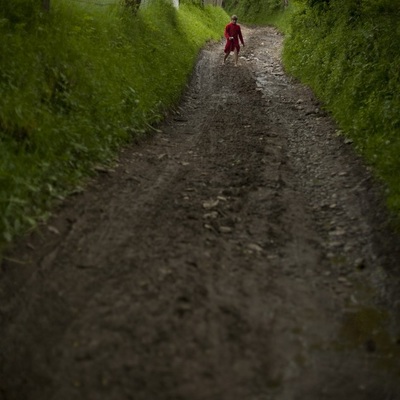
(77,83)
(262,12)
(252,11)
(348,52)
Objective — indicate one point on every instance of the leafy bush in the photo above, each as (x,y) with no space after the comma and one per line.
(76,84)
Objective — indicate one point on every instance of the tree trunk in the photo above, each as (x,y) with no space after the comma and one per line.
(46,5)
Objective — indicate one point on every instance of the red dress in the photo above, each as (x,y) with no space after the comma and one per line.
(233,30)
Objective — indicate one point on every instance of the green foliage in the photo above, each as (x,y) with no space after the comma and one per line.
(317,3)
(253,11)
(265,12)
(77,83)
(282,19)
(198,3)
(20,13)
(348,52)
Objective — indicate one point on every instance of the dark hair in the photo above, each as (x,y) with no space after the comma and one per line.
(234,17)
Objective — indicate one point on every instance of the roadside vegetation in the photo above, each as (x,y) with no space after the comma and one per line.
(263,12)
(347,51)
(78,82)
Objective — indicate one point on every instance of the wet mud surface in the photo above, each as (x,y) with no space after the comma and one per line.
(240,253)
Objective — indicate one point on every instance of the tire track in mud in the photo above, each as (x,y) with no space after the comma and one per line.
(233,255)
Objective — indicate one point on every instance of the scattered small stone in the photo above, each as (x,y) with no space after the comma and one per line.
(344,281)
(78,190)
(337,232)
(103,170)
(165,272)
(225,229)
(210,204)
(211,215)
(348,247)
(54,230)
(353,299)
(255,247)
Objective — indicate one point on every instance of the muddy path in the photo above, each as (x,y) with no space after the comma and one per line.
(240,253)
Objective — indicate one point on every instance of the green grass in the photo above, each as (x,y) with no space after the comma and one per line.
(262,12)
(78,83)
(348,52)
(253,11)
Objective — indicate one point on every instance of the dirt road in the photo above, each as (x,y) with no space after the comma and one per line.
(241,253)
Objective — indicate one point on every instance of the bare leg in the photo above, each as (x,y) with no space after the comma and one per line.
(226,56)
(236,54)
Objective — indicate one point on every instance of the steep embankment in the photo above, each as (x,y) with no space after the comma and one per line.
(347,52)
(78,82)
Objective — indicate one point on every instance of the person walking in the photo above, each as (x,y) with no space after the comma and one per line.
(233,34)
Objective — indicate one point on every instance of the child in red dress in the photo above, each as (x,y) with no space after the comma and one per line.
(233,33)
